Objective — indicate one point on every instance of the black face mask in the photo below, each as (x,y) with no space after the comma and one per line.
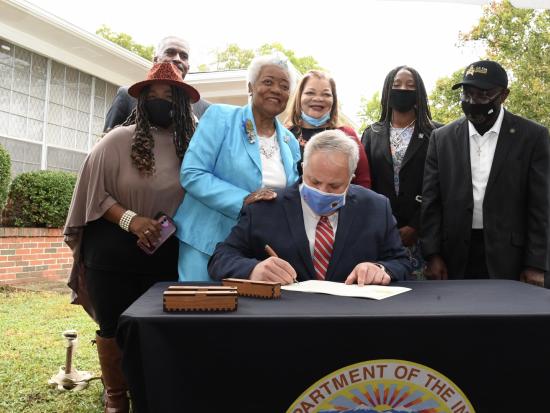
(481,114)
(160,112)
(402,100)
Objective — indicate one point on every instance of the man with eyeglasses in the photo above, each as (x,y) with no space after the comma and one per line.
(170,49)
(486,195)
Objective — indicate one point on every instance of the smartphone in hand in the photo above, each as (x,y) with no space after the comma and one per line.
(167,228)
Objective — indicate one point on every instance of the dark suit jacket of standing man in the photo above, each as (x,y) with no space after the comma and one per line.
(366,231)
(516,204)
(123,104)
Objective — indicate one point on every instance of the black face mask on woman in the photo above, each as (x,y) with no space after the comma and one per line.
(159,112)
(402,100)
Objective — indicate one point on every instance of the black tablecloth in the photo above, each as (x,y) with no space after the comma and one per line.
(490,337)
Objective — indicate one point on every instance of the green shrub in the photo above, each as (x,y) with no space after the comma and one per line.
(41,198)
(5,175)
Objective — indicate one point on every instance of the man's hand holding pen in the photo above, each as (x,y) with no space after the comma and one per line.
(273,269)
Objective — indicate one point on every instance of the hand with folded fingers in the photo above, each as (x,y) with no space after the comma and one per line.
(368,273)
(263,194)
(436,268)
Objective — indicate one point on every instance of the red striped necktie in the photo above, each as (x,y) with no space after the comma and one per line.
(322,250)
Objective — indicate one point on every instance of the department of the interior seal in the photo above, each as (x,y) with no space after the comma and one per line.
(391,386)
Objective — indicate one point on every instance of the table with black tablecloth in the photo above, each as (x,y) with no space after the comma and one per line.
(490,337)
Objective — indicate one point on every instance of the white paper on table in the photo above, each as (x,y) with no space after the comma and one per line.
(376,292)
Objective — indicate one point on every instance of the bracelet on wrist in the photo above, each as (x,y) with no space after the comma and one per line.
(126,219)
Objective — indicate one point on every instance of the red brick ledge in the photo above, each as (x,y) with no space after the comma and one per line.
(33,254)
(30,232)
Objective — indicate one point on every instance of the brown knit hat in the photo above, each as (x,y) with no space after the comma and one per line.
(165,72)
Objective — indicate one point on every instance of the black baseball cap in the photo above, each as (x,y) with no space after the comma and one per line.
(484,74)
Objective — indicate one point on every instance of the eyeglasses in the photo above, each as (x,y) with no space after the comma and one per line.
(471,94)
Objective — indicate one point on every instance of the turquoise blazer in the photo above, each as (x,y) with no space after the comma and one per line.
(220,168)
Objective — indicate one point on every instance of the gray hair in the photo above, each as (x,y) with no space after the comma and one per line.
(276,59)
(162,44)
(333,140)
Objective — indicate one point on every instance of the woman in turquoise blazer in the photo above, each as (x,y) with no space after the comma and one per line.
(236,153)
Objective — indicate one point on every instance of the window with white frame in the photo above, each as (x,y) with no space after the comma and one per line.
(50,114)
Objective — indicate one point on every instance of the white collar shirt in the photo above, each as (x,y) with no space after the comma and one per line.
(482,152)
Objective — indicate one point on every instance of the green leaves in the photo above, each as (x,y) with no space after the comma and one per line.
(235,57)
(126,41)
(370,111)
(519,39)
(445,105)
(302,64)
(5,176)
(40,199)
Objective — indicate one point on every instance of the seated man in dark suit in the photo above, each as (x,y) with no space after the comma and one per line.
(323,228)
(170,49)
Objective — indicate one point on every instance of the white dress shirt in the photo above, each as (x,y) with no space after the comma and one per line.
(310,222)
(273,170)
(482,152)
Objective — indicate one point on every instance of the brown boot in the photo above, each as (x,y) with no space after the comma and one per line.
(110,357)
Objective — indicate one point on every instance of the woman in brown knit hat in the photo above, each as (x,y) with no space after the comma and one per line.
(130,176)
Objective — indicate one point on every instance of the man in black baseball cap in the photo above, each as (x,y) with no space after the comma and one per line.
(484,90)
(486,194)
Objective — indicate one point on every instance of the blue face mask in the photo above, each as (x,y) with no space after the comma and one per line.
(322,203)
(314,121)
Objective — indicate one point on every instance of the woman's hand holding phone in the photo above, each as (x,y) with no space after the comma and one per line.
(146,229)
(154,232)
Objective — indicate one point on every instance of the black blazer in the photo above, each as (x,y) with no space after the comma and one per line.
(360,237)
(516,204)
(123,104)
(406,204)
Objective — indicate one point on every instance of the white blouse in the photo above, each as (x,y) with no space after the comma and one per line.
(273,171)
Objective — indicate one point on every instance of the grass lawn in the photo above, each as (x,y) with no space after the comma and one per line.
(32,349)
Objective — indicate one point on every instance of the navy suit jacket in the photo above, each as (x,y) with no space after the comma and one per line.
(366,231)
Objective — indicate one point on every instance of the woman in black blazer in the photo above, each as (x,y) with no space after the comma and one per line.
(396,149)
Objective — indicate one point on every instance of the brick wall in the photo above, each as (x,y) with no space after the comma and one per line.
(30,254)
